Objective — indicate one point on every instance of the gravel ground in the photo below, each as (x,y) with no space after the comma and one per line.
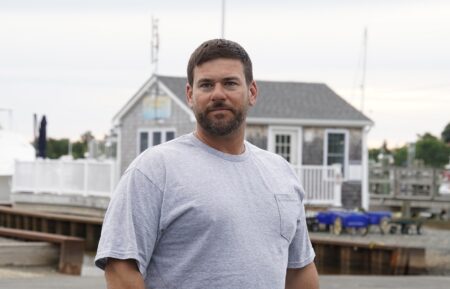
(436,243)
(6,240)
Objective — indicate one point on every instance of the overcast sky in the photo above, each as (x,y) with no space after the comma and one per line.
(79,61)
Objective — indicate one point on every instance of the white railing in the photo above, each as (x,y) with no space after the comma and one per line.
(322,184)
(80,177)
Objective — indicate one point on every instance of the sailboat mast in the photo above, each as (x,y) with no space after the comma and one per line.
(364,63)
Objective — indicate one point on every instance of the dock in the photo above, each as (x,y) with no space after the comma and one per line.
(333,256)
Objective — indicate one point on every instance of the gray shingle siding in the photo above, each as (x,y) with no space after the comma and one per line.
(257,135)
(133,120)
(312,146)
(355,150)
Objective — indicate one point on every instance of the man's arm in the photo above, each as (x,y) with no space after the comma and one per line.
(123,274)
(302,278)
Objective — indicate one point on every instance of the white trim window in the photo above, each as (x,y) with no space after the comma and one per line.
(283,146)
(336,149)
(153,137)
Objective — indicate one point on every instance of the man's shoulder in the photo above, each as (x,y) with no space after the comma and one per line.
(269,159)
(266,155)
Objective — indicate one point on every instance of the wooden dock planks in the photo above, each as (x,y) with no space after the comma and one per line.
(88,228)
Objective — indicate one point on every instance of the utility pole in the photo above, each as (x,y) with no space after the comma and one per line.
(223,20)
(363,78)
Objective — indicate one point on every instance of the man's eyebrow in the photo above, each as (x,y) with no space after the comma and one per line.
(204,80)
(235,78)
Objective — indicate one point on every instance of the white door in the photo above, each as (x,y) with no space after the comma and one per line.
(285,142)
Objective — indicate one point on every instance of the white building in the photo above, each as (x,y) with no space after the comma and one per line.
(12,147)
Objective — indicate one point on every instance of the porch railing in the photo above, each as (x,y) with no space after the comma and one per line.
(80,177)
(322,184)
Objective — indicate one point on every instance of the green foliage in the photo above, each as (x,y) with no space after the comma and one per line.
(78,150)
(400,156)
(60,147)
(445,135)
(432,151)
(373,154)
(57,148)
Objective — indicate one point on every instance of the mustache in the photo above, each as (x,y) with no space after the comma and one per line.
(219,105)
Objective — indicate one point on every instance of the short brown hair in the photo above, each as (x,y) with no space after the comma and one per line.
(219,48)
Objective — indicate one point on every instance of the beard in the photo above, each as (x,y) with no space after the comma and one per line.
(220,126)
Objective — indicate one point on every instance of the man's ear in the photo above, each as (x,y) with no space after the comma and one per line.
(253,93)
(189,95)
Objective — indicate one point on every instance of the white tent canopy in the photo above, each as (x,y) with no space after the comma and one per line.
(13,147)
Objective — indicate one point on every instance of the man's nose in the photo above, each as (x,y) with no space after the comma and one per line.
(218,92)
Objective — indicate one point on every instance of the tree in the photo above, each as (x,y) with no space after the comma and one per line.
(445,135)
(57,148)
(87,137)
(400,156)
(60,147)
(432,150)
(373,154)
(78,150)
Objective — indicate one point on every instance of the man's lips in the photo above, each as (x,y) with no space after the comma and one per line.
(214,109)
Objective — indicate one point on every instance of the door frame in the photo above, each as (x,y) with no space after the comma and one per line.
(273,130)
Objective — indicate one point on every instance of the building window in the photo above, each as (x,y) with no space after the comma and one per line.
(336,149)
(143,141)
(283,146)
(154,137)
(170,135)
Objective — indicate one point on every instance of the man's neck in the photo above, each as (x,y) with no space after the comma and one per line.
(231,144)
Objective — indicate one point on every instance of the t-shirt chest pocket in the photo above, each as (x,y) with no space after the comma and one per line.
(288,209)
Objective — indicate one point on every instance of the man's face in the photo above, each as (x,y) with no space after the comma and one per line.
(219,96)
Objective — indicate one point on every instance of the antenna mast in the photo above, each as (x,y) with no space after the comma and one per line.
(154,45)
(223,20)
(363,78)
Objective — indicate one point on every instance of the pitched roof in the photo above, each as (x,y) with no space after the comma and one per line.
(290,100)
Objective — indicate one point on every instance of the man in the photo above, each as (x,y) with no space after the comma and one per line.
(208,209)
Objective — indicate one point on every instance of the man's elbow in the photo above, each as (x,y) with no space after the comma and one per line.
(123,274)
(302,278)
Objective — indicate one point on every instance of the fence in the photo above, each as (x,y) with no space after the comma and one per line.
(406,183)
(322,184)
(81,177)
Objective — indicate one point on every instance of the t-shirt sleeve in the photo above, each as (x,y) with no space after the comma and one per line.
(131,224)
(301,252)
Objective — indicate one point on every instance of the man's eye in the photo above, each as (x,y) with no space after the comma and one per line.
(205,85)
(231,83)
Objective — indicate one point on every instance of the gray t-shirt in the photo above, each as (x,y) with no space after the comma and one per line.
(194,217)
